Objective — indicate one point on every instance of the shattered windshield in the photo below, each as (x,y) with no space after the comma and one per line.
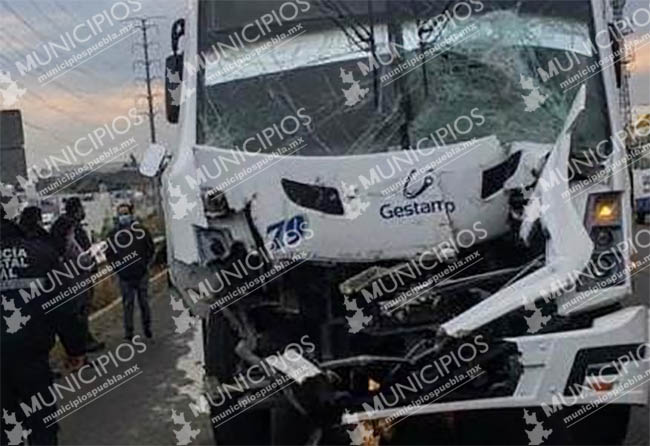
(408,83)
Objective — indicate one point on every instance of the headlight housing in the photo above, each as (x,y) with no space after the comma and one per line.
(604,222)
(215,204)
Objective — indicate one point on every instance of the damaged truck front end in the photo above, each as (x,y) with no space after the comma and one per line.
(405,246)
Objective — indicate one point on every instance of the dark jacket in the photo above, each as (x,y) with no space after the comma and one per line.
(9,228)
(130,250)
(62,226)
(61,229)
(29,327)
(36,232)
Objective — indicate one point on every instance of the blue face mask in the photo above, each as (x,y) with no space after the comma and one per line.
(125,220)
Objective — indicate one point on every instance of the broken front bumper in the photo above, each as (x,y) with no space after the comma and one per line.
(554,363)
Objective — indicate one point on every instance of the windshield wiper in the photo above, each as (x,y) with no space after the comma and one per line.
(422,30)
(396,40)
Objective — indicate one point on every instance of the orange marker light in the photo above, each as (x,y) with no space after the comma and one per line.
(605,212)
(601,386)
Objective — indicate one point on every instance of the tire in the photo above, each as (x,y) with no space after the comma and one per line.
(606,425)
(640,218)
(249,427)
(478,427)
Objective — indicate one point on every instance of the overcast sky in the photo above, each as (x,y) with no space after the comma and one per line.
(67,108)
(104,86)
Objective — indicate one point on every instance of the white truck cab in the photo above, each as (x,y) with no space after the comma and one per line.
(388,185)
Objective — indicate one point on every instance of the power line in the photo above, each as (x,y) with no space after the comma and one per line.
(91,74)
(61,86)
(145,25)
(47,18)
(23,21)
(65,9)
(57,108)
(49,132)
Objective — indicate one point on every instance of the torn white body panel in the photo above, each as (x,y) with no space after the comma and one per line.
(567,252)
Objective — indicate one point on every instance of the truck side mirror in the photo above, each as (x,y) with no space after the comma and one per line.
(152,160)
(174,74)
(173,86)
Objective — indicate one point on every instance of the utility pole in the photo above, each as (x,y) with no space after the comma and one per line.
(148,63)
(144,24)
(145,43)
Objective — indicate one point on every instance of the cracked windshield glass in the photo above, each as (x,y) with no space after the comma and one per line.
(486,62)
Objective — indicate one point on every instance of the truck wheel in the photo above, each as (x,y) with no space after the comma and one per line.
(606,425)
(247,427)
(477,427)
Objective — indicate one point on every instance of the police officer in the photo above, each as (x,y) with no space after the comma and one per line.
(28,333)
(31,223)
(71,239)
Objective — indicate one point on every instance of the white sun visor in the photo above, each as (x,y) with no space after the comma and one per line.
(305,49)
(302,49)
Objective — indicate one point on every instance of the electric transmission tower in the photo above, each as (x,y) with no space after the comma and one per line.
(147,68)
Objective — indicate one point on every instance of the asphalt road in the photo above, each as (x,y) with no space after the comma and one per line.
(138,409)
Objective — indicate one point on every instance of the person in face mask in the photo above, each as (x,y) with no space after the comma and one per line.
(130,252)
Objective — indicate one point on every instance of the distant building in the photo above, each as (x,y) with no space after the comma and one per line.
(12,147)
(86,179)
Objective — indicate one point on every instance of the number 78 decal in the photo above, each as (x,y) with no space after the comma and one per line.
(286,232)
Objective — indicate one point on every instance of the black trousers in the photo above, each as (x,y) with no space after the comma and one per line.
(83,312)
(131,291)
(23,380)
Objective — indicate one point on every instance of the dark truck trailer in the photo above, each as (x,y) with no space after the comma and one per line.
(12,147)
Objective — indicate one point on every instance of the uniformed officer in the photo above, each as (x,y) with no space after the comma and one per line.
(71,239)
(31,222)
(28,330)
